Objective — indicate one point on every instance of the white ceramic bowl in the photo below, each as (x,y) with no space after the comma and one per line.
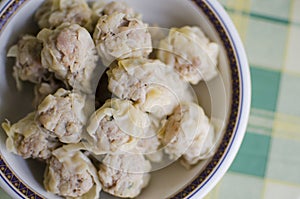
(226,99)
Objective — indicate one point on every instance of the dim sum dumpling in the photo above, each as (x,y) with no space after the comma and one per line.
(69,52)
(191,53)
(71,174)
(27,139)
(53,13)
(118,36)
(118,127)
(28,65)
(124,175)
(64,115)
(188,133)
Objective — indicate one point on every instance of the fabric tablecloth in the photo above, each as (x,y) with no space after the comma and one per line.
(268,163)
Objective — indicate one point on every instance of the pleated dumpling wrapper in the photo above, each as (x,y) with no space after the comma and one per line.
(191,54)
(124,175)
(27,139)
(69,52)
(119,127)
(71,174)
(189,134)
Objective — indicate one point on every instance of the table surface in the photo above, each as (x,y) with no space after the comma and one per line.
(268,163)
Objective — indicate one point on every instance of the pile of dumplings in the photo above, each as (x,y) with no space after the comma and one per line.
(152,113)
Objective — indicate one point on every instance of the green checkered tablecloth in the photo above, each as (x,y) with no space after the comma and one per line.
(268,163)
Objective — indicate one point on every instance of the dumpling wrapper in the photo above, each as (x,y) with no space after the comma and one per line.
(27,139)
(101,8)
(73,164)
(191,54)
(53,13)
(64,114)
(124,175)
(189,134)
(69,52)
(118,36)
(28,66)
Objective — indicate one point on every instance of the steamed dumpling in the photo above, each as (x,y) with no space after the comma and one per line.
(28,65)
(118,127)
(53,13)
(191,54)
(69,52)
(71,174)
(64,115)
(188,133)
(124,175)
(155,87)
(118,36)
(27,139)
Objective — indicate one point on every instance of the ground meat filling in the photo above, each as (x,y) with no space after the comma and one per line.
(124,175)
(109,129)
(126,86)
(28,140)
(70,184)
(66,44)
(35,145)
(69,52)
(59,114)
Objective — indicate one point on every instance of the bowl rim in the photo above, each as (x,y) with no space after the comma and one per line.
(239,111)
(244,105)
